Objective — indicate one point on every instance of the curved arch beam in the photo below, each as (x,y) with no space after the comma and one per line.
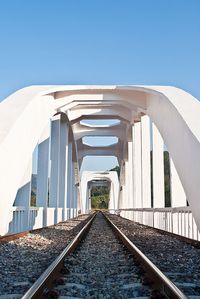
(113,150)
(67,102)
(176,114)
(97,112)
(81,131)
(22,123)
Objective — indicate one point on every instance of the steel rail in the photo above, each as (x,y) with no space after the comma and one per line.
(160,281)
(45,280)
(12,237)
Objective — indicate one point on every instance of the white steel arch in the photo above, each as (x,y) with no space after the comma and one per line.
(26,114)
(89,176)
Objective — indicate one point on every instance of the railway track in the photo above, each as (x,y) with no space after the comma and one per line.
(101,262)
(25,256)
(178,258)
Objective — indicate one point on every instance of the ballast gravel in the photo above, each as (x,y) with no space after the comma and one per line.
(101,268)
(179,260)
(23,260)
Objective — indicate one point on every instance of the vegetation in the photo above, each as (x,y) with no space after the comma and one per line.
(33,190)
(100,202)
(100,194)
(99,197)
(167,179)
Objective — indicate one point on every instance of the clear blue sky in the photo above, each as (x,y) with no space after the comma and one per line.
(99,42)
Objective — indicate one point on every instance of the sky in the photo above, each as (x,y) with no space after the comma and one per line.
(151,42)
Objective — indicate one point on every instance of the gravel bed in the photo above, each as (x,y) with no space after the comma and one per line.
(101,268)
(23,260)
(178,260)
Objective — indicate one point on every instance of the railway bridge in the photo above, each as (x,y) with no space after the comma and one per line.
(50,123)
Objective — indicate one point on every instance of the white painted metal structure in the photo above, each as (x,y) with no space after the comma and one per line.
(49,117)
(90,179)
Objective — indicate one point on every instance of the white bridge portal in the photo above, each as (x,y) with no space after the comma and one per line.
(50,119)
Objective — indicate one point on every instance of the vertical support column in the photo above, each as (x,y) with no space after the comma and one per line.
(55,154)
(122,203)
(146,167)
(130,179)
(137,166)
(126,194)
(111,205)
(115,196)
(121,183)
(133,171)
(69,181)
(76,182)
(178,197)
(63,168)
(89,198)
(43,169)
(75,200)
(43,172)
(116,191)
(158,169)
(73,195)
(83,194)
(78,199)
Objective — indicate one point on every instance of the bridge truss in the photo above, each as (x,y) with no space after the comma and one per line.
(51,118)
